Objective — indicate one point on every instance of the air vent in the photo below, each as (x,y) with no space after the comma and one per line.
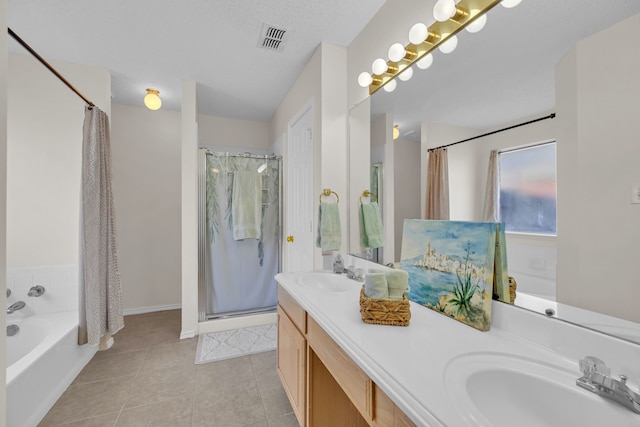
(273,38)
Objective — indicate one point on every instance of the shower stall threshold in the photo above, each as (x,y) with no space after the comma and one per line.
(240,313)
(239,319)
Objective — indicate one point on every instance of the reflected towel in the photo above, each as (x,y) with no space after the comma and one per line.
(375,285)
(370,226)
(398,282)
(329,235)
(246,205)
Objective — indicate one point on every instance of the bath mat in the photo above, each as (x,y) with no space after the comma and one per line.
(236,342)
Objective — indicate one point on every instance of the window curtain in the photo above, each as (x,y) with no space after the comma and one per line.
(100,289)
(491,205)
(437,204)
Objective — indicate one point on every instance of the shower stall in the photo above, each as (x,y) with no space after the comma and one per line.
(239,233)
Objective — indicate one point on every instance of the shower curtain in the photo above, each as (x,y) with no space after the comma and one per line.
(242,271)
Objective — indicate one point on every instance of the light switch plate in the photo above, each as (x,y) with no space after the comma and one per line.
(635,194)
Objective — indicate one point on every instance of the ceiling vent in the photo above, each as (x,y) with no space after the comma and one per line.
(273,38)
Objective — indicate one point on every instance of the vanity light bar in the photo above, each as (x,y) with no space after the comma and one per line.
(438,33)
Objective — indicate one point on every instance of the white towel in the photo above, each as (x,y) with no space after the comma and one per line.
(246,205)
(329,234)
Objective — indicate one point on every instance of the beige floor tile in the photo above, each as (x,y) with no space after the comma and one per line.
(89,400)
(224,373)
(174,413)
(268,381)
(161,385)
(288,420)
(276,403)
(111,365)
(107,420)
(166,356)
(262,362)
(151,321)
(142,340)
(236,407)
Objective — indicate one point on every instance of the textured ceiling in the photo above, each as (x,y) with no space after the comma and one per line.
(159,43)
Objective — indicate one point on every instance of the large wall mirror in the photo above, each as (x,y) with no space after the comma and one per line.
(577,59)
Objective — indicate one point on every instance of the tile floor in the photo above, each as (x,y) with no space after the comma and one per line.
(148,378)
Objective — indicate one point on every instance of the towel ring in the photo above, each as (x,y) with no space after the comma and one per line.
(369,194)
(326,192)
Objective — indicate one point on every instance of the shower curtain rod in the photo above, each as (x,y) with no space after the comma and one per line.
(247,155)
(46,64)
(550,116)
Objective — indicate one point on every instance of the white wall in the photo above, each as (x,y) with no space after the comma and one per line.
(229,134)
(598,151)
(145,147)
(44,128)
(406,156)
(382,150)
(3,190)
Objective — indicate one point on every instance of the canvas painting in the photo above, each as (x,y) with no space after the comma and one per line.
(451,267)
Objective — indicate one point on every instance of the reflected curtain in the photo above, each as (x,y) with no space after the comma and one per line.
(99,287)
(491,204)
(437,203)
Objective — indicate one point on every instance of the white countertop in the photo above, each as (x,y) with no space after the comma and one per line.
(409,363)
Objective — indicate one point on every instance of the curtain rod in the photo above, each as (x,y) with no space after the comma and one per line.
(46,64)
(246,155)
(550,116)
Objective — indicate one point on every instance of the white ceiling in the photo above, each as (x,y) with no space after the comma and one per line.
(501,74)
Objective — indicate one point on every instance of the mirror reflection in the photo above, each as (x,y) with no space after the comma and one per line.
(538,58)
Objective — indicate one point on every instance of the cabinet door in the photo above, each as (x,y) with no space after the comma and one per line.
(292,364)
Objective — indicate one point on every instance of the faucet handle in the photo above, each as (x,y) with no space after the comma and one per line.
(591,365)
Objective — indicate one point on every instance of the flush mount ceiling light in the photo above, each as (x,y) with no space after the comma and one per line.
(396,132)
(451,18)
(152,100)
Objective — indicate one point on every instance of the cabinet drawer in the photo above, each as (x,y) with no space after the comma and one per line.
(355,383)
(291,364)
(296,313)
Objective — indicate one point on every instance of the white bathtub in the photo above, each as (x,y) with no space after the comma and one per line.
(43,358)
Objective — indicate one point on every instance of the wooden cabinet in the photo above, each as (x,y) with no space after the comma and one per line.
(325,387)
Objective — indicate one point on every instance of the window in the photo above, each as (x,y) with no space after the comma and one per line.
(528,189)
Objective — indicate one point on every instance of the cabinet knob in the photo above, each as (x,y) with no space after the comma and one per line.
(289,239)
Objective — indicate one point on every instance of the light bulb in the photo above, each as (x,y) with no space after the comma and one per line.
(365,79)
(478,24)
(450,45)
(379,66)
(510,3)
(406,75)
(396,132)
(152,100)
(444,9)
(391,86)
(418,33)
(425,62)
(396,52)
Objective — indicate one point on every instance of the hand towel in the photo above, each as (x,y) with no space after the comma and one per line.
(370,226)
(328,227)
(375,285)
(398,282)
(246,205)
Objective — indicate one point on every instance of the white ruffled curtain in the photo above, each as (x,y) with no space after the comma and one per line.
(491,205)
(437,203)
(100,289)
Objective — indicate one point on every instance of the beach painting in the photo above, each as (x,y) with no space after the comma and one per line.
(451,267)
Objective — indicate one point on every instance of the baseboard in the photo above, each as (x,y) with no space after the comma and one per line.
(142,310)
(187,334)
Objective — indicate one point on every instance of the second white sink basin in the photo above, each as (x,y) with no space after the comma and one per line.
(327,281)
(495,389)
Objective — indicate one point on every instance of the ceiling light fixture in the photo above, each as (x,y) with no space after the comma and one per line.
(152,100)
(396,132)
(452,18)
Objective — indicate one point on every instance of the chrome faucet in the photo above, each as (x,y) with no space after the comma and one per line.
(36,291)
(19,305)
(597,379)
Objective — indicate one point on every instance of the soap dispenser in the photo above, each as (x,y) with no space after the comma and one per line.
(338,264)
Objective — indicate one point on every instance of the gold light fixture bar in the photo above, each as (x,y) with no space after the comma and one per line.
(467,11)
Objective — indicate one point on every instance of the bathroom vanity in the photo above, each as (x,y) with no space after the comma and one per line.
(340,371)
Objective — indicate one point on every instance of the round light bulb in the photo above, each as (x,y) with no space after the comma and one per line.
(510,3)
(444,9)
(396,132)
(418,33)
(391,86)
(365,79)
(396,52)
(379,66)
(425,62)
(152,100)
(406,74)
(450,45)
(478,24)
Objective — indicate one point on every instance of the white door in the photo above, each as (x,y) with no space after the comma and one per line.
(298,230)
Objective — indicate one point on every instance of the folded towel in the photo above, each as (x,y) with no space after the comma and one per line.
(398,283)
(328,227)
(375,285)
(370,226)
(246,205)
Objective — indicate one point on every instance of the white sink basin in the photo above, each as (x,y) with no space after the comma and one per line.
(327,281)
(495,389)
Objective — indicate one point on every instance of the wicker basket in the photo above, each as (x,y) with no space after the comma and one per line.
(383,311)
(512,289)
